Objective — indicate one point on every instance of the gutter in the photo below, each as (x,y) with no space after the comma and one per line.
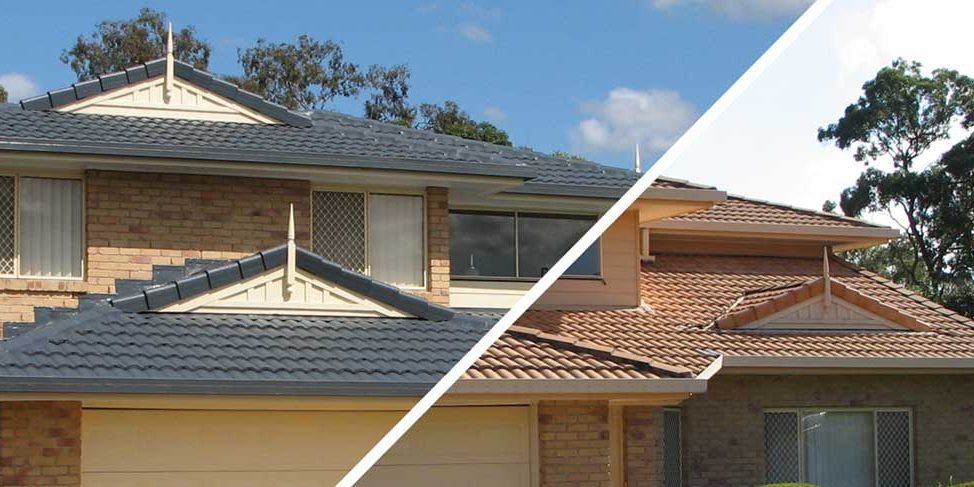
(212,387)
(870,363)
(579,386)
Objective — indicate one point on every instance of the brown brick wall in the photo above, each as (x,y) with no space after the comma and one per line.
(724,428)
(40,443)
(438,244)
(643,448)
(136,220)
(19,305)
(574,443)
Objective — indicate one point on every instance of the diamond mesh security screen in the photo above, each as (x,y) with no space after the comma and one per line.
(781,455)
(7,212)
(893,449)
(338,228)
(672,449)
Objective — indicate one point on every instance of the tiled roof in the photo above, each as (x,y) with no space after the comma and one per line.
(156,68)
(743,210)
(525,353)
(107,350)
(684,294)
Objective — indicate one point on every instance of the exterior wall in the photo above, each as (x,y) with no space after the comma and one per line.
(40,443)
(619,285)
(643,446)
(573,443)
(136,220)
(438,244)
(18,305)
(723,433)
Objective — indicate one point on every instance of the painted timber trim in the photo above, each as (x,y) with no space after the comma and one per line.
(580,386)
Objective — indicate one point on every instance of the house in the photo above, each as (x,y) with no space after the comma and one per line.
(752,354)
(200,287)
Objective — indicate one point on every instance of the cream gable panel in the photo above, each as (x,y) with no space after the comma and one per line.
(265,294)
(815,314)
(188,102)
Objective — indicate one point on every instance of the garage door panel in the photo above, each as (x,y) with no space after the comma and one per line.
(486,475)
(147,448)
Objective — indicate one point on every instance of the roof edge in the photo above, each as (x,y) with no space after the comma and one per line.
(580,386)
(211,387)
(849,234)
(839,362)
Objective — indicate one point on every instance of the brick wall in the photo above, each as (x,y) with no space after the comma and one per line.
(724,428)
(136,220)
(574,443)
(644,446)
(438,244)
(40,443)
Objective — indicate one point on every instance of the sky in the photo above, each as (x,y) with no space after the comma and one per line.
(592,78)
(765,144)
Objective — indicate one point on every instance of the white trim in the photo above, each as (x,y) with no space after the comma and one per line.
(576,386)
(841,363)
(803,232)
(607,219)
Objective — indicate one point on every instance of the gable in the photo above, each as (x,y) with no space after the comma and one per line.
(185,101)
(265,294)
(816,314)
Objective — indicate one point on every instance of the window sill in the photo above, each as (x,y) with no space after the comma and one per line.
(69,285)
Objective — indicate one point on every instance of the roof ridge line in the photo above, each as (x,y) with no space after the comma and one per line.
(613,352)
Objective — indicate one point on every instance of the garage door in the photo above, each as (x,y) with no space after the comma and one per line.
(166,448)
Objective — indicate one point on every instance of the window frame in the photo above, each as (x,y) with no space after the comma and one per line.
(864,409)
(366,192)
(517,242)
(17,175)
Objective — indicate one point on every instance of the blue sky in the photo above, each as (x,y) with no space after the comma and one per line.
(587,77)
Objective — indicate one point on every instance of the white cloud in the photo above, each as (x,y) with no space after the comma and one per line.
(652,118)
(741,9)
(18,86)
(765,144)
(476,11)
(494,114)
(475,33)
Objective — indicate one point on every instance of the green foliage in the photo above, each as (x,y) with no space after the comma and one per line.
(567,155)
(3,94)
(450,119)
(389,100)
(119,44)
(303,75)
(899,117)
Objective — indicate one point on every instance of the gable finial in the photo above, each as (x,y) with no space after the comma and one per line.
(170,70)
(291,267)
(638,160)
(826,277)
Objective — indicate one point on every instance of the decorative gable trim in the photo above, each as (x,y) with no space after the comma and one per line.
(269,293)
(821,304)
(66,98)
(319,275)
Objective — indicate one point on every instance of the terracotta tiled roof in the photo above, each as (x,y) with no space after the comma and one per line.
(684,294)
(742,210)
(526,353)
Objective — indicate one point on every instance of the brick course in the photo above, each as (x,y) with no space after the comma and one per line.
(724,428)
(574,443)
(438,244)
(40,443)
(644,446)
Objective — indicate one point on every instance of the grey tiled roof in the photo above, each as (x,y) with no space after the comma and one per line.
(334,139)
(160,296)
(108,350)
(141,72)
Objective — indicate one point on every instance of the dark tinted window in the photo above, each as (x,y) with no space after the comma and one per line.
(543,239)
(482,244)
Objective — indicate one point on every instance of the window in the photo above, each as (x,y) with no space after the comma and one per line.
(672,448)
(41,227)
(517,245)
(377,234)
(850,447)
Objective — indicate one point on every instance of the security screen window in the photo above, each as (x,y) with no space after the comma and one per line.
(517,245)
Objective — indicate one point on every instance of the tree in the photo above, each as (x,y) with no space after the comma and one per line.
(450,119)
(901,114)
(388,102)
(304,75)
(568,155)
(3,94)
(119,44)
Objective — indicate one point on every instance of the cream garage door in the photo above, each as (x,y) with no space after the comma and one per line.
(169,448)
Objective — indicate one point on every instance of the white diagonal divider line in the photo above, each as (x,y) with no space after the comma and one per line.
(607,219)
